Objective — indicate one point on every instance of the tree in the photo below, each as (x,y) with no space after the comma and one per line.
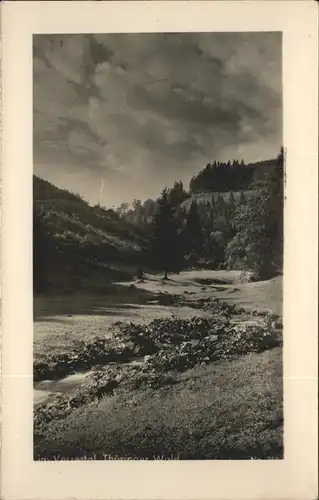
(43,250)
(258,244)
(221,200)
(122,209)
(242,198)
(231,208)
(275,210)
(220,204)
(165,247)
(211,221)
(215,247)
(177,194)
(149,207)
(193,235)
(251,246)
(137,204)
(231,199)
(181,215)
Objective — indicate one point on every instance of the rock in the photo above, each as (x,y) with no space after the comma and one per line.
(212,338)
(106,387)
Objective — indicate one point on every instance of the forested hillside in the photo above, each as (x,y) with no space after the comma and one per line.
(75,243)
(230,176)
(239,225)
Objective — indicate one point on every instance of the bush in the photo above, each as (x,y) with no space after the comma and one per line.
(86,355)
(176,330)
(235,341)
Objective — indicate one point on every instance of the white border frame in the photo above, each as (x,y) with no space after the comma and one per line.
(295,476)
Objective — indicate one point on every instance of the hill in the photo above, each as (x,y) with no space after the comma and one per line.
(225,177)
(90,242)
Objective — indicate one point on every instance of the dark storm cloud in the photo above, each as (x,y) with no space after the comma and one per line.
(151,108)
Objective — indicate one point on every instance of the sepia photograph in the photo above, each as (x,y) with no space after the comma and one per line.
(158,202)
(159,291)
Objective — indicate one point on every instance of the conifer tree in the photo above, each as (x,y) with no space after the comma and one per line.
(193,235)
(177,194)
(231,199)
(242,198)
(220,204)
(211,220)
(165,247)
(231,204)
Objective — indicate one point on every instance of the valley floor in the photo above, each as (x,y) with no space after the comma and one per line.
(219,409)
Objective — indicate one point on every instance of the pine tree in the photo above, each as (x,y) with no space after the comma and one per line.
(220,204)
(193,235)
(242,198)
(274,221)
(231,207)
(211,220)
(221,200)
(177,194)
(231,199)
(165,247)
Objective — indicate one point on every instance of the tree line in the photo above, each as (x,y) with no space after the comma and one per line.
(231,176)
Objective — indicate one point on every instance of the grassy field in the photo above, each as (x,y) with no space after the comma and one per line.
(224,285)
(61,321)
(223,410)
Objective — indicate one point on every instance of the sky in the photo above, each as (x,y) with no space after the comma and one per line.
(121,116)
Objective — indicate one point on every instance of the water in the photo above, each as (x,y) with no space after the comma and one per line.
(46,389)
(62,320)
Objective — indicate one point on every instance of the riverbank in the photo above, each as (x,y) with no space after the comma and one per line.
(215,349)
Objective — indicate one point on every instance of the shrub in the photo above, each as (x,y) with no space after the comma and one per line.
(235,341)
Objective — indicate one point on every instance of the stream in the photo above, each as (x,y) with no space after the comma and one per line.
(60,321)
(45,390)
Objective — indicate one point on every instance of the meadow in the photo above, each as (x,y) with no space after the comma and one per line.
(190,368)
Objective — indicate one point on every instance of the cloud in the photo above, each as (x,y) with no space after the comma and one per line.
(141,110)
